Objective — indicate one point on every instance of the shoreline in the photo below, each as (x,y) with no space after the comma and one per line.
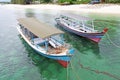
(89,8)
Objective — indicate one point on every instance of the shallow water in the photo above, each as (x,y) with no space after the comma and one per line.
(91,61)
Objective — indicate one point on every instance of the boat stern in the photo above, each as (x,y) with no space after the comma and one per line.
(65,63)
(98,37)
(105,30)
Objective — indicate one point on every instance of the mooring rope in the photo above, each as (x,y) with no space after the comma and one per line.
(112,41)
(98,72)
(74,71)
(67,72)
(107,21)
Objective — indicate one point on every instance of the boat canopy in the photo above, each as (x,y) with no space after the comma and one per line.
(38,28)
(75,16)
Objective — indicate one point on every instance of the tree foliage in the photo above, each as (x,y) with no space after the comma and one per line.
(61,1)
(74,1)
(114,1)
(47,1)
(28,1)
(17,1)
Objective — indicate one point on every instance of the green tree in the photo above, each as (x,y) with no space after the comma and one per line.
(46,1)
(74,1)
(18,1)
(114,1)
(62,1)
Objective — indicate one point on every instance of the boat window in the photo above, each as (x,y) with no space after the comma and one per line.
(81,29)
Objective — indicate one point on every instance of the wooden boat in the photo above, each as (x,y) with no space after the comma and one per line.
(45,40)
(79,25)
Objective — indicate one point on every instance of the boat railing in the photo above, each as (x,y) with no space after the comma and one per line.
(81,24)
(88,27)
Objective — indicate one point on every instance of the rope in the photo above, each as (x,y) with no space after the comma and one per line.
(107,21)
(99,72)
(74,71)
(111,41)
(67,72)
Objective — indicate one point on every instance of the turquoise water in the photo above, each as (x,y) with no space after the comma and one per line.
(91,61)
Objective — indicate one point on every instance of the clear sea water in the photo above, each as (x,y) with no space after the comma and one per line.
(91,61)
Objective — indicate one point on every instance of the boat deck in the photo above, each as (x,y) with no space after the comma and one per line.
(78,26)
(59,50)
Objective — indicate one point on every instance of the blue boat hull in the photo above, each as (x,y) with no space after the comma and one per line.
(63,58)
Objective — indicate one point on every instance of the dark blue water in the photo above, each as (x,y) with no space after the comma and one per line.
(91,61)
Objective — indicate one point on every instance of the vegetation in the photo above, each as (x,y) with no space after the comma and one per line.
(59,1)
(114,1)
(74,1)
(47,1)
(82,1)
(30,1)
(17,1)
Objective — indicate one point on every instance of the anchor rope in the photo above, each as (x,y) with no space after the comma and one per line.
(108,22)
(112,41)
(74,71)
(67,72)
(96,71)
(99,72)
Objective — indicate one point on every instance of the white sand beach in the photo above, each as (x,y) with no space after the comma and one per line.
(96,8)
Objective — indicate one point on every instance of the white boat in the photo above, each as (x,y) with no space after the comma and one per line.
(45,40)
(77,24)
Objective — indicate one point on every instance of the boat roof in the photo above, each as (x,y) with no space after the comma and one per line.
(76,16)
(39,28)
